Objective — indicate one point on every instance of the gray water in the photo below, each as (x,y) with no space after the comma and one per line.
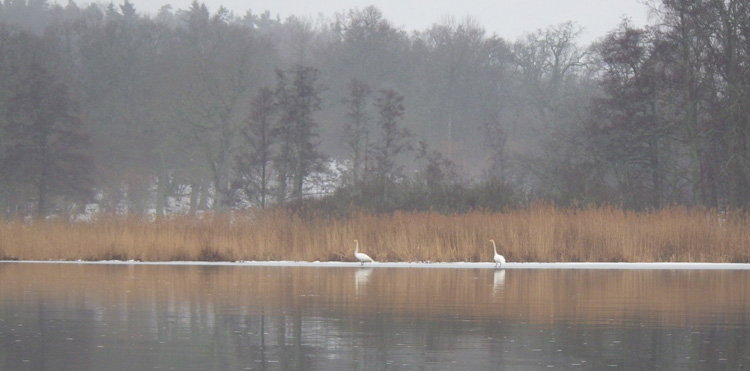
(145,317)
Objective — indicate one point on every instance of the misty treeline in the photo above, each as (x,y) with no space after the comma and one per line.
(103,104)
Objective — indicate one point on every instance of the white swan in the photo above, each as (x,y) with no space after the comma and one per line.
(362,257)
(499,259)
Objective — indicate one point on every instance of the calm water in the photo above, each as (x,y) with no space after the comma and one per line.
(142,317)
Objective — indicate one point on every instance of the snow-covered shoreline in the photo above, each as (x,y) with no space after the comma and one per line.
(453,265)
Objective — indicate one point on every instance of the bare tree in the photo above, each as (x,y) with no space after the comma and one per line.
(628,131)
(356,134)
(495,140)
(298,95)
(220,58)
(547,93)
(394,139)
(455,49)
(253,163)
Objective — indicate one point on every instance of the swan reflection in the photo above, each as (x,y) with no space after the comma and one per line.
(361,277)
(499,280)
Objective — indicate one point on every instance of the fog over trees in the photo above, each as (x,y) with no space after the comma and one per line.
(101,104)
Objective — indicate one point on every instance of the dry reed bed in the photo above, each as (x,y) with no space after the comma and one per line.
(537,296)
(541,232)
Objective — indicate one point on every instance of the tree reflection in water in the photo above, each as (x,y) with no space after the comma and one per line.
(69,316)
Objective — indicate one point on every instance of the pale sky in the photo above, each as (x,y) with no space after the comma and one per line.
(508,18)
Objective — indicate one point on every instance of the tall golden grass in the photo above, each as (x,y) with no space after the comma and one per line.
(539,233)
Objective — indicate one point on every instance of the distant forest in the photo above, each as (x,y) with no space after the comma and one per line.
(133,112)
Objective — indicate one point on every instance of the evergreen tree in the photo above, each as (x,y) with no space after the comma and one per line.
(47,148)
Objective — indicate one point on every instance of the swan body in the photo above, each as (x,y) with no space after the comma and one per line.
(499,259)
(362,257)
